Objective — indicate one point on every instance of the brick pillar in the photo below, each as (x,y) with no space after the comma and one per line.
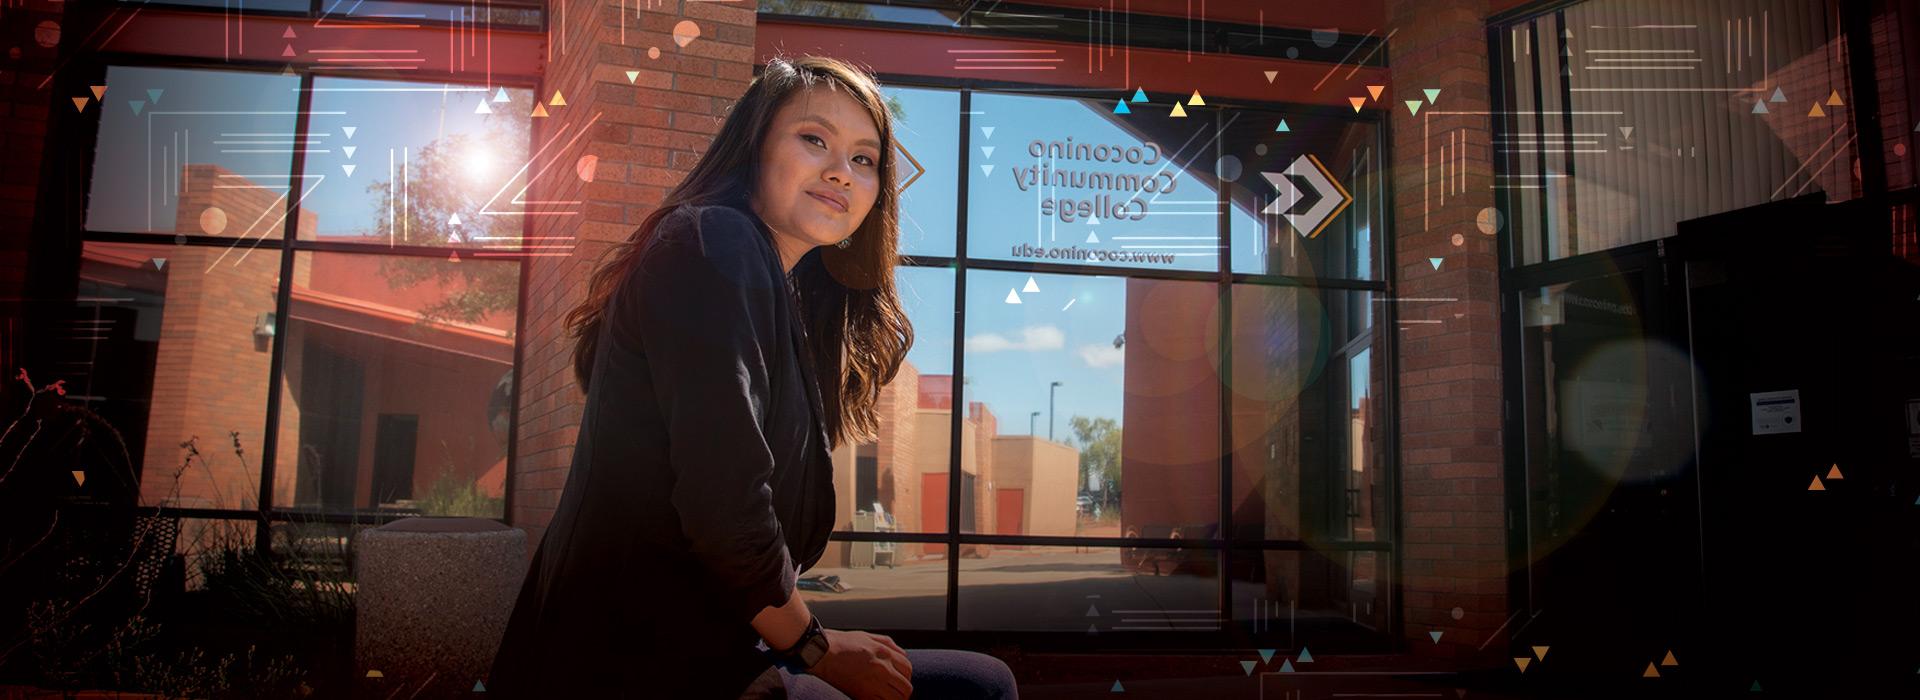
(1452,478)
(647,132)
(27,57)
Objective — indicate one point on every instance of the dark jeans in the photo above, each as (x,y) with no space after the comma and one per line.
(938,674)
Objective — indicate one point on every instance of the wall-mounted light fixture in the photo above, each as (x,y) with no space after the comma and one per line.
(263,331)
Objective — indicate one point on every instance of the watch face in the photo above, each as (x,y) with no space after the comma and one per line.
(814,650)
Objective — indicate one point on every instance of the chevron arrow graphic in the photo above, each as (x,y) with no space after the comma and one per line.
(1333,198)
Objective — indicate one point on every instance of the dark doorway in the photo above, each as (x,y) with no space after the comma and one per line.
(332,383)
(393,450)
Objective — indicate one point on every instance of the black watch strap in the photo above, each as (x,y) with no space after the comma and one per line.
(808,650)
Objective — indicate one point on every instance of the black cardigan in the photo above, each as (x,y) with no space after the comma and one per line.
(701,482)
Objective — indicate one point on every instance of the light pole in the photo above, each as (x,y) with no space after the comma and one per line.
(1050,389)
(1031,417)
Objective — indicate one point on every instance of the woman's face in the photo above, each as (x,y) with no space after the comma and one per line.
(819,171)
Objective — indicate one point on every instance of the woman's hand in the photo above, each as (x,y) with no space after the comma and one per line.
(865,666)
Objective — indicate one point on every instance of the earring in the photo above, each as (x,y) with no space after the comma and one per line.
(844,242)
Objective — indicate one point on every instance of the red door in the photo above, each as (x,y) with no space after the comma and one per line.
(1010,514)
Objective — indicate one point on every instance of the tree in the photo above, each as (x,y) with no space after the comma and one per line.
(1099,443)
(438,188)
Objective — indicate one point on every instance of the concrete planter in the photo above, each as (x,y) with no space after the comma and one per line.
(433,600)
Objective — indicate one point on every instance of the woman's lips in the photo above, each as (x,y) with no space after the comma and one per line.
(830,202)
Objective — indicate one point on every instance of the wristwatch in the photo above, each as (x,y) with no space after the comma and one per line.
(809,650)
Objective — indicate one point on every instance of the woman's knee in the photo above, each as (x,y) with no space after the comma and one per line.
(952,673)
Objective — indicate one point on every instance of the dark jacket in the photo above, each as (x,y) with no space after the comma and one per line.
(701,482)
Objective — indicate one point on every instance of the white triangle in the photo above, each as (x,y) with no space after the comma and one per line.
(988,169)
(1093,221)
(1626,132)
(349,150)
(1091,238)
(1032,285)
(1013,297)
(349,130)
(159,263)
(633,75)
(455,221)
(482,108)
(1092,611)
(988,130)
(987,150)
(349,168)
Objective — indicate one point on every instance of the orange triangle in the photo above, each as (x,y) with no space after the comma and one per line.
(1540,653)
(539,110)
(455,257)
(1356,102)
(80,477)
(1833,100)
(1522,662)
(1651,672)
(80,104)
(1375,90)
(1816,111)
(1834,473)
(1669,661)
(99,92)
(1816,485)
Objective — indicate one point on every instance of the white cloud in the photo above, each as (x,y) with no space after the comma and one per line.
(1097,355)
(1032,338)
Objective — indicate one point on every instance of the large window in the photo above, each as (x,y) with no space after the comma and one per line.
(1147,393)
(295,306)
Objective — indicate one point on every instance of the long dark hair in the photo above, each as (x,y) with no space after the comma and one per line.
(849,302)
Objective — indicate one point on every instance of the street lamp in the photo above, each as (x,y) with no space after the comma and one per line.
(1050,389)
(1030,420)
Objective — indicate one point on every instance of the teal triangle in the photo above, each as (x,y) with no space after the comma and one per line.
(1413,107)
(1432,94)
(1435,635)
(1778,96)
(1755,688)
(501,95)
(1286,666)
(1248,665)
(1759,107)
(479,687)
(1121,108)
(1139,94)
(1282,127)
(1435,262)
(1117,688)
(153,94)
(136,105)
(1266,656)
(1306,657)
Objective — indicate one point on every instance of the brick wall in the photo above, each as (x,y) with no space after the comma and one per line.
(648,133)
(1451,476)
(25,62)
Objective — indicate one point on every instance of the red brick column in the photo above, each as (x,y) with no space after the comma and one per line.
(1452,503)
(25,62)
(646,132)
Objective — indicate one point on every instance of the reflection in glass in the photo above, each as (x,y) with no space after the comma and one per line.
(1091,590)
(449,174)
(397,385)
(200,152)
(166,344)
(1127,444)
(1309,431)
(1069,181)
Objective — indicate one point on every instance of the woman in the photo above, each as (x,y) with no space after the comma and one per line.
(743,331)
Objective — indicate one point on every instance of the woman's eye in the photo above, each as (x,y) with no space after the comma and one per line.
(868,161)
(814,139)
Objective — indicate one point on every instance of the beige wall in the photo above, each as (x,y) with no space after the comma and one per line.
(1048,473)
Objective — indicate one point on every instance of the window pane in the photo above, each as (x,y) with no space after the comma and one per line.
(1063,180)
(1348,196)
(447,174)
(200,152)
(398,384)
(1713,109)
(883,588)
(884,486)
(1331,597)
(167,344)
(1091,590)
(1309,427)
(926,122)
(1133,425)
(271,5)
(1896,48)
